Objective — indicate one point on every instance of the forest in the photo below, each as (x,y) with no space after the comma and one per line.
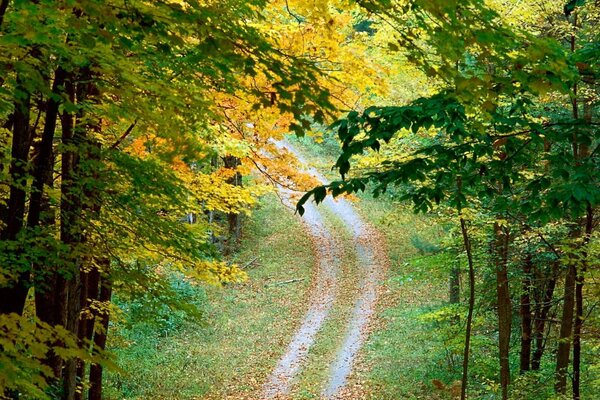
(299,199)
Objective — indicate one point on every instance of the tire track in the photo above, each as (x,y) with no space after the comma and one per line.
(370,257)
(371,261)
(322,297)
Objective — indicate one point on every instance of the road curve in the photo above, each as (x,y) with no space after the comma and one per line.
(371,261)
(321,300)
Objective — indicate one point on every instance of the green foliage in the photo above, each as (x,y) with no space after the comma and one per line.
(113,123)
(507,140)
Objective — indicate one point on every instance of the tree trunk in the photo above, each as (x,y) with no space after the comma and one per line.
(579,317)
(504,305)
(90,294)
(542,310)
(525,311)
(13,297)
(579,282)
(43,164)
(70,232)
(577,335)
(49,285)
(566,330)
(465,376)
(3,7)
(95,391)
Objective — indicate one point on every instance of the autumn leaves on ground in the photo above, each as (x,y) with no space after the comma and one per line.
(299,199)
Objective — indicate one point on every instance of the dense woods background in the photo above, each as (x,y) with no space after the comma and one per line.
(138,136)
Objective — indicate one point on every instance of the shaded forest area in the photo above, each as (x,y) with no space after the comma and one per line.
(138,136)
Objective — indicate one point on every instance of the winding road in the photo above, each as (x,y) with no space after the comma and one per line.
(371,260)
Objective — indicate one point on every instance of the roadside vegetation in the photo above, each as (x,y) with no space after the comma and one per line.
(243,328)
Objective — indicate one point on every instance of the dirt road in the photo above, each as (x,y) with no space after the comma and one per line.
(371,260)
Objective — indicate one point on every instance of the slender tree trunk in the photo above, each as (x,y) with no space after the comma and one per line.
(566,326)
(70,232)
(579,281)
(467,244)
(90,294)
(13,297)
(49,286)
(90,275)
(43,165)
(577,335)
(95,391)
(504,306)
(80,199)
(543,306)
(579,317)
(566,330)
(525,311)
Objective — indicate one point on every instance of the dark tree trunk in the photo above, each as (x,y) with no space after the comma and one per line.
(43,165)
(566,330)
(566,325)
(49,285)
(525,311)
(580,279)
(80,198)
(504,306)
(3,7)
(70,232)
(577,336)
(95,392)
(541,312)
(579,317)
(466,350)
(13,297)
(89,294)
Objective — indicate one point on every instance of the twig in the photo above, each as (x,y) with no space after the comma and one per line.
(249,263)
(297,18)
(285,282)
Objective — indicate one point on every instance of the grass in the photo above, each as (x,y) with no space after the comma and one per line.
(246,327)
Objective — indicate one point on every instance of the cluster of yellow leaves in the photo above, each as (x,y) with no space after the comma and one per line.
(216,194)
(217,272)
(323,31)
(320,32)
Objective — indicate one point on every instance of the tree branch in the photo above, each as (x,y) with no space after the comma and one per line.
(124,135)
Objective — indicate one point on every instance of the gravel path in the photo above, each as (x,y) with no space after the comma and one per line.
(322,297)
(370,258)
